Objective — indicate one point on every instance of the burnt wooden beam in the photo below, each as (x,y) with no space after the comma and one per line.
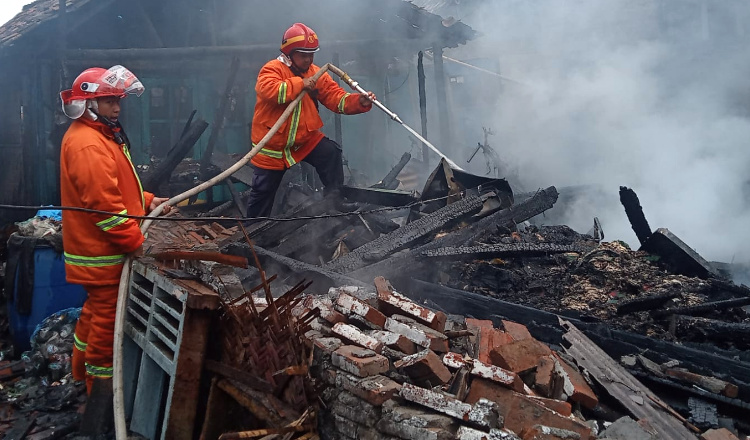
(505,250)
(412,261)
(641,304)
(176,154)
(677,256)
(290,268)
(403,236)
(719,285)
(261,49)
(634,211)
(703,308)
(714,329)
(389,181)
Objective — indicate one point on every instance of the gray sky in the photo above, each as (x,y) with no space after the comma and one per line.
(9,8)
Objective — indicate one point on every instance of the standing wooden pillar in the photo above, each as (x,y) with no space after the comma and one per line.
(442,100)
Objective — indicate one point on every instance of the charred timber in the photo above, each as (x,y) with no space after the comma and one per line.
(289,267)
(389,181)
(505,250)
(645,303)
(91,55)
(716,330)
(677,256)
(397,265)
(384,245)
(175,156)
(719,285)
(634,211)
(703,308)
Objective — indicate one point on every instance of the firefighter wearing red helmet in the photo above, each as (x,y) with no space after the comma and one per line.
(96,173)
(280,81)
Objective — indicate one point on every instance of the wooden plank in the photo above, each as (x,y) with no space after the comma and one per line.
(639,400)
(184,390)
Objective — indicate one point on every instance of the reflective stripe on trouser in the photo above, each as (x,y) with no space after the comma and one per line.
(79,344)
(96,332)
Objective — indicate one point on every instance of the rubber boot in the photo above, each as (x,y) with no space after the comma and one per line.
(98,419)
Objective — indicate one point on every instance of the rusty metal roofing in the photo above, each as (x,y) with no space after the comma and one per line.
(644,405)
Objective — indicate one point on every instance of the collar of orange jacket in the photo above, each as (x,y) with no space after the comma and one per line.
(97,125)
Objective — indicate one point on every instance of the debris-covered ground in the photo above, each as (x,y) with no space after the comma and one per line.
(605,283)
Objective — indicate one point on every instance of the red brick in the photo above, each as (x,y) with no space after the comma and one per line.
(393,303)
(718,434)
(326,309)
(563,408)
(489,339)
(425,368)
(548,381)
(357,337)
(375,390)
(480,414)
(394,341)
(541,432)
(417,333)
(575,386)
(348,305)
(518,332)
(472,323)
(519,356)
(359,361)
(520,411)
(485,371)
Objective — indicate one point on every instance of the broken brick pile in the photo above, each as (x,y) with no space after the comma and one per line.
(390,368)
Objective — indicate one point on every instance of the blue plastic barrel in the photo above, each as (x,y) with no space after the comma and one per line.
(50,294)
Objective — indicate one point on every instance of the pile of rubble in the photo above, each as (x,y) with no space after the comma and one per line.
(391,368)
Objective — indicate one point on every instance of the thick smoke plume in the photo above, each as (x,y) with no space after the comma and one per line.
(650,95)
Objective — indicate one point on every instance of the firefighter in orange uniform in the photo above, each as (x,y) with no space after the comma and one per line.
(279,82)
(96,173)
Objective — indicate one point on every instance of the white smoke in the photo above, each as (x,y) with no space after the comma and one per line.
(617,94)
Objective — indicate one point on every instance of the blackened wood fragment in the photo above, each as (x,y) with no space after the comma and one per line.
(176,154)
(389,181)
(677,256)
(645,303)
(634,211)
(384,245)
(411,261)
(505,250)
(703,308)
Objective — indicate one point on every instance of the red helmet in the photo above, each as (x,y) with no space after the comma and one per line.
(96,83)
(299,38)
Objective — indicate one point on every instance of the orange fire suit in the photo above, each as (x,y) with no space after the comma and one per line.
(97,173)
(277,86)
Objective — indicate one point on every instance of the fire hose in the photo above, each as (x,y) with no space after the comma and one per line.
(355,86)
(117,383)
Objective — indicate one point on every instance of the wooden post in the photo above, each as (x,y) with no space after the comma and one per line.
(423,109)
(442,100)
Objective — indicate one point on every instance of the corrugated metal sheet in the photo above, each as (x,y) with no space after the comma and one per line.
(639,400)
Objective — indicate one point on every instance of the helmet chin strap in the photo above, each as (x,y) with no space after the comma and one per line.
(92,112)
